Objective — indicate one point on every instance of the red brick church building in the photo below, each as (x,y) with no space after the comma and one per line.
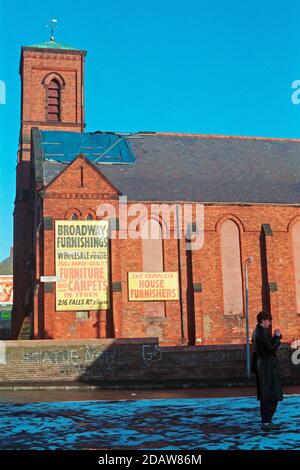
(249,187)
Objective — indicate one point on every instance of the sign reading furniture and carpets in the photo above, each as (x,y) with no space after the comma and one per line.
(81,254)
(153,286)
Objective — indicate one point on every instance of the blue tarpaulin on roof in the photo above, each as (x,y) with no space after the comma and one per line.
(98,147)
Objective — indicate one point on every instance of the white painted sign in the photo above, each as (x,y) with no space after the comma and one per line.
(49,279)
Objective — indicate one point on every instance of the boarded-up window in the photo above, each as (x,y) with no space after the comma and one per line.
(152,249)
(296,251)
(231,269)
(53,101)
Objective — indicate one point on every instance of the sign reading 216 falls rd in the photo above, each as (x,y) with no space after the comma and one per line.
(81,256)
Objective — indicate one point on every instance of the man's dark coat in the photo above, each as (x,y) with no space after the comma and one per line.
(266,365)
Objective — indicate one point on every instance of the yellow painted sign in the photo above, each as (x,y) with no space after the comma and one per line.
(153,286)
(81,256)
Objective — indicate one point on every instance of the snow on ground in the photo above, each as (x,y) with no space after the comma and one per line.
(168,424)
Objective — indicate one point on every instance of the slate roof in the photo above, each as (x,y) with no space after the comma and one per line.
(172,167)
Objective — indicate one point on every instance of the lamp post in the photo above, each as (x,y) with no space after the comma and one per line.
(248,261)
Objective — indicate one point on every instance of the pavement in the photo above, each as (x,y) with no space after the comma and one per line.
(166,420)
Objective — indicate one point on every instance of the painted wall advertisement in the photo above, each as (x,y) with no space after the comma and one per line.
(6,289)
(81,257)
(153,286)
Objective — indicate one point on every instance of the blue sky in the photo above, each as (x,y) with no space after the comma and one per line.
(215,66)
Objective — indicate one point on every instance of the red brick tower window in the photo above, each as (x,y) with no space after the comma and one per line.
(53,101)
(231,268)
(296,251)
(74,217)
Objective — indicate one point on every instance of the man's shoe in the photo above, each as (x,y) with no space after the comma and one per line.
(267,427)
(274,426)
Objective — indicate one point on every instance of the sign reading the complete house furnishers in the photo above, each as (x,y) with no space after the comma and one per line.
(153,286)
(81,252)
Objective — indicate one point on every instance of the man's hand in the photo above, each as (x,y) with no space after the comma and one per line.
(277,332)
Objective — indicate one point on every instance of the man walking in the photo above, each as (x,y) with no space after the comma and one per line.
(266,368)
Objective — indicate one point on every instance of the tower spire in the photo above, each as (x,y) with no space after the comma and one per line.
(52,25)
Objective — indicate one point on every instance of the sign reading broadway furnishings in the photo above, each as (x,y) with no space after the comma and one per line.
(81,256)
(153,286)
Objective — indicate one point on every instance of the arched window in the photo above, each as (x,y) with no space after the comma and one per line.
(296,253)
(90,214)
(231,268)
(53,101)
(74,217)
(152,246)
(152,249)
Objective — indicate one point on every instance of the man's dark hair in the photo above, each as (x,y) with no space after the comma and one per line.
(263,315)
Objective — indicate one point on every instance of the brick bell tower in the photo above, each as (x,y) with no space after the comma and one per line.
(52,98)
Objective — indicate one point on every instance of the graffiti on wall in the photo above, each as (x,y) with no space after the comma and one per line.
(151,354)
(76,360)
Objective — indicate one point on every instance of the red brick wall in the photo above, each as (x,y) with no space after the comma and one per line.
(211,325)
(216,327)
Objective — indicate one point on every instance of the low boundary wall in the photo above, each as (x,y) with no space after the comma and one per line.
(129,363)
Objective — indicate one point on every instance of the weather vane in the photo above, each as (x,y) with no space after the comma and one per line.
(52,25)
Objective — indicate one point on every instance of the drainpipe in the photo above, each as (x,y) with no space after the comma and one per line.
(179,272)
(248,260)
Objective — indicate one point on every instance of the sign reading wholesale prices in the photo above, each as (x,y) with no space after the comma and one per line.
(153,286)
(81,254)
